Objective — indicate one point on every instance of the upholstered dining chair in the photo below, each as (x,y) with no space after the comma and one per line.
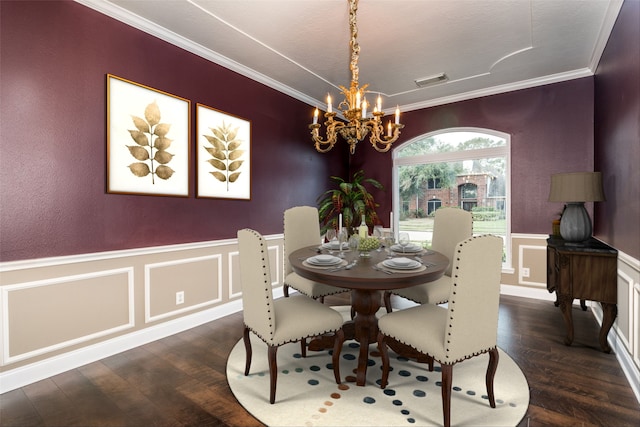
(280,321)
(466,328)
(301,229)
(450,227)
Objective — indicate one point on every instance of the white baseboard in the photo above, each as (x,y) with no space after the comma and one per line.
(521,291)
(28,374)
(630,370)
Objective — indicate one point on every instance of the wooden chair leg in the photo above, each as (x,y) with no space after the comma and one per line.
(387,301)
(247,347)
(303,347)
(447,378)
(335,358)
(273,373)
(491,373)
(384,355)
(285,290)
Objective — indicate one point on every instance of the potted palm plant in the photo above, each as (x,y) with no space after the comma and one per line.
(352,200)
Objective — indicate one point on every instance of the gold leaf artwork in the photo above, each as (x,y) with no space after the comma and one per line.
(150,135)
(224,150)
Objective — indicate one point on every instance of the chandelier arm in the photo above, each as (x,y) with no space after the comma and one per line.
(381,142)
(333,127)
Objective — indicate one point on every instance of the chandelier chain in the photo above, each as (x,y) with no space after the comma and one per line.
(355,47)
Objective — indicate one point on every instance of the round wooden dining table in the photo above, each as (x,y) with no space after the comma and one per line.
(367,280)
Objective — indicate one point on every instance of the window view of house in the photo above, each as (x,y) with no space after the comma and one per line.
(467,169)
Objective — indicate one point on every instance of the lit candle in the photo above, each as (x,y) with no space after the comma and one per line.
(397,115)
(364,108)
(375,110)
(329,106)
(389,129)
(358,99)
(379,103)
(339,223)
(315,116)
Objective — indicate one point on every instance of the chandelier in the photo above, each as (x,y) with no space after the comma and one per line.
(354,108)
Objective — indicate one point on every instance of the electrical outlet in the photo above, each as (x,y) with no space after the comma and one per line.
(180,297)
(525,272)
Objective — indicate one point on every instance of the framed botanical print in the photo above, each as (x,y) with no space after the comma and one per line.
(223,154)
(148,140)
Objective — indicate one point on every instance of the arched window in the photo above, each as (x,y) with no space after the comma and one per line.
(468,168)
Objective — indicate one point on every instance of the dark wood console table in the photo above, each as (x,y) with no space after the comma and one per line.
(588,272)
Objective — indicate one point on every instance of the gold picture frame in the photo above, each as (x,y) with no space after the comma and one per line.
(223,154)
(148,140)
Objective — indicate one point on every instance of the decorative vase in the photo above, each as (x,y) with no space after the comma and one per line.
(575,225)
(365,254)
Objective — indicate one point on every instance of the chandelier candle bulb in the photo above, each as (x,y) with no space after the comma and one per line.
(397,115)
(329,106)
(379,105)
(364,108)
(315,117)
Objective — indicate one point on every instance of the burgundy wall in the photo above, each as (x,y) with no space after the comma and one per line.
(52,149)
(52,139)
(551,130)
(617,133)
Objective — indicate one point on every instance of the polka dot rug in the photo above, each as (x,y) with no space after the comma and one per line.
(307,395)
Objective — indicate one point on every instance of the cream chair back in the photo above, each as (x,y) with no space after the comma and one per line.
(301,229)
(255,275)
(472,320)
(450,227)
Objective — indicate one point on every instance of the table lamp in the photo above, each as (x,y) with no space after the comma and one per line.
(574,189)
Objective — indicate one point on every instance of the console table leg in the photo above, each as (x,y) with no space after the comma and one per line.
(566,303)
(610,311)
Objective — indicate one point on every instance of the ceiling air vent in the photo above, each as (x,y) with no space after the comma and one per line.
(426,81)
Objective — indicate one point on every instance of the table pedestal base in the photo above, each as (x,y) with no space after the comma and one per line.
(364,329)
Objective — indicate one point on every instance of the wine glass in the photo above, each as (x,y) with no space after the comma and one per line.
(403,239)
(388,243)
(343,237)
(353,242)
(377,233)
(330,236)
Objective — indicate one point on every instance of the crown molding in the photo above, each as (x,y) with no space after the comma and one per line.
(116,12)
(142,24)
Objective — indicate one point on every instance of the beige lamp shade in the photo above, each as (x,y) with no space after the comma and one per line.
(576,187)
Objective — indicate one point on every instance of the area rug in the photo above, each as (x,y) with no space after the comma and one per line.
(307,395)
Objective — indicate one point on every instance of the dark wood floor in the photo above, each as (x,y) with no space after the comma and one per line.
(180,380)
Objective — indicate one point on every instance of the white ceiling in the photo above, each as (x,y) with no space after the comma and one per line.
(301,47)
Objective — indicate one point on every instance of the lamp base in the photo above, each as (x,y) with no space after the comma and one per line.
(575,225)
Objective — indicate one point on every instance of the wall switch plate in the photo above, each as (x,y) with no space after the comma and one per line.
(180,297)
(525,272)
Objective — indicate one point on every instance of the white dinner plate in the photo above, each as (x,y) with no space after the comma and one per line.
(408,248)
(401,263)
(326,260)
(335,245)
